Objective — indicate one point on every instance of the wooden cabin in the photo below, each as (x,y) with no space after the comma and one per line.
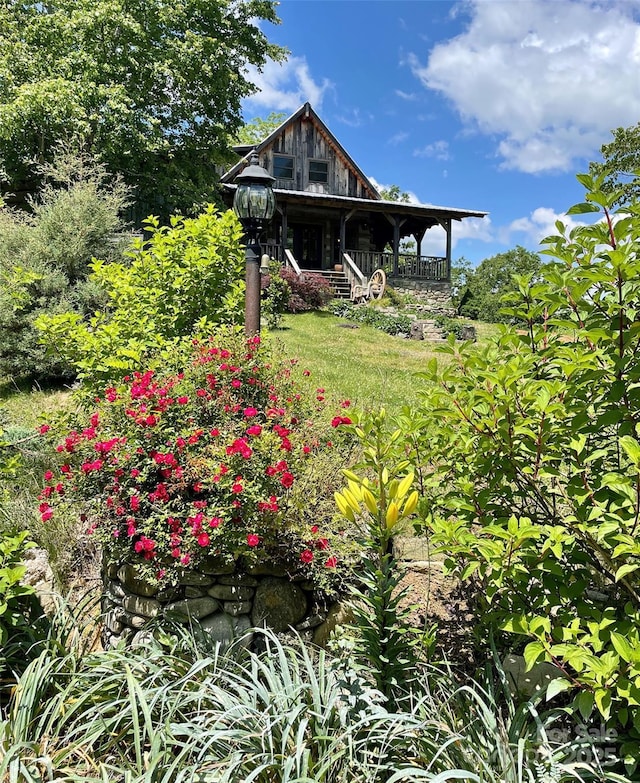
(329,213)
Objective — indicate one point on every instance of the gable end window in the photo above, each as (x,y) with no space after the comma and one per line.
(282,167)
(318,171)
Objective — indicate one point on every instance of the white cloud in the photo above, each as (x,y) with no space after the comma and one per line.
(435,240)
(539,224)
(548,78)
(438,150)
(354,118)
(397,138)
(406,96)
(478,229)
(473,228)
(286,86)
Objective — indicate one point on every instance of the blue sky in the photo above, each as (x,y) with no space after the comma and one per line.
(490,105)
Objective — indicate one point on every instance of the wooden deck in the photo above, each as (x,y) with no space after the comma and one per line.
(434,268)
(417,267)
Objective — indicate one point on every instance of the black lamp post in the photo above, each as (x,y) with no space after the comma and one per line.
(255,204)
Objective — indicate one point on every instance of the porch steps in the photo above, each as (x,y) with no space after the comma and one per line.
(337,280)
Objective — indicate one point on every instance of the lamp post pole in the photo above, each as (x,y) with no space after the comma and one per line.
(252,289)
(254,203)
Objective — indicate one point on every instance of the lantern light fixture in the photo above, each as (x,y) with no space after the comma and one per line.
(254,204)
(254,201)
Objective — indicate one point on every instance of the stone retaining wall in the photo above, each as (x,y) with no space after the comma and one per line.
(226,603)
(435,295)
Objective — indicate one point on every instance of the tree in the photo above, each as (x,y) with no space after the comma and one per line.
(461,273)
(393,193)
(621,164)
(153,88)
(260,127)
(45,257)
(492,279)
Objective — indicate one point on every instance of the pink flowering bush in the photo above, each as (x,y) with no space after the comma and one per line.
(308,291)
(231,458)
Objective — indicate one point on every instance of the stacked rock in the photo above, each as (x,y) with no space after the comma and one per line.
(435,296)
(226,602)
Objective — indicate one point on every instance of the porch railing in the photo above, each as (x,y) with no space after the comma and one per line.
(291,261)
(357,280)
(272,250)
(422,267)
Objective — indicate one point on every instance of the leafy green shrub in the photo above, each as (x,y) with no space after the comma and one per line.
(450,326)
(276,294)
(216,460)
(185,278)
(391,324)
(392,298)
(309,291)
(534,454)
(45,258)
(19,609)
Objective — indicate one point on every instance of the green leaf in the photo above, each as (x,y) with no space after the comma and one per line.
(631,448)
(517,624)
(603,702)
(556,686)
(533,652)
(627,568)
(582,208)
(586,180)
(584,703)
(622,647)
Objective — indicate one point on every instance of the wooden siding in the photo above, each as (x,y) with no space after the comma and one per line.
(304,141)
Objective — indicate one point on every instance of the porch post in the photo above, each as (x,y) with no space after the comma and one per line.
(419,236)
(448,230)
(283,238)
(343,233)
(396,243)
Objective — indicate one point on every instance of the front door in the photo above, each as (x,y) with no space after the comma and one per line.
(307,246)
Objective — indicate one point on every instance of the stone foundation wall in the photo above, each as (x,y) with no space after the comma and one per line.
(434,295)
(226,603)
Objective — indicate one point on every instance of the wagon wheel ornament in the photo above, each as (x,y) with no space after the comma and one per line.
(377,284)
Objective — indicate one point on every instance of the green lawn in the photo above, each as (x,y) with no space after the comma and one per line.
(365,365)
(362,364)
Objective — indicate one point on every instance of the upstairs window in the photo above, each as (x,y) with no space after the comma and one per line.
(318,171)
(282,167)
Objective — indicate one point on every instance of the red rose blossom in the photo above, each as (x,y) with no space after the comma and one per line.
(287,480)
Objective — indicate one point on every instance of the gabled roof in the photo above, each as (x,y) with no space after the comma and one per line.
(307,112)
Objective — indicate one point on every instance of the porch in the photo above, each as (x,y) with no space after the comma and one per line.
(318,231)
(429,268)
(357,268)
